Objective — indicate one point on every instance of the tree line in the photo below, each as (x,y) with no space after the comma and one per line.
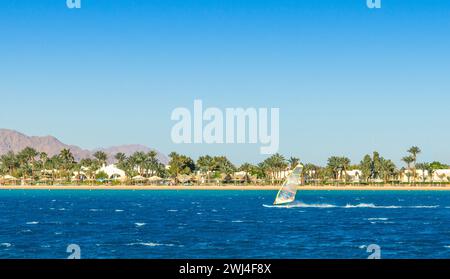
(34,166)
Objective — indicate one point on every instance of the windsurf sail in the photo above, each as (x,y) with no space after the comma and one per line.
(289,189)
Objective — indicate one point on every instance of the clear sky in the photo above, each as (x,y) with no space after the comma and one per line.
(347,79)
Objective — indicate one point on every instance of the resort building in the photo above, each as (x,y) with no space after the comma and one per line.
(438,176)
(113,172)
(353,176)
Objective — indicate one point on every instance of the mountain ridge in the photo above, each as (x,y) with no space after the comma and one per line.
(12,140)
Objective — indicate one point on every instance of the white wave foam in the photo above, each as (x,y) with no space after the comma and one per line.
(140,224)
(348,206)
(5,244)
(172,210)
(378,219)
(150,244)
(237,221)
(95,210)
(32,223)
(301,205)
(371,205)
(119,210)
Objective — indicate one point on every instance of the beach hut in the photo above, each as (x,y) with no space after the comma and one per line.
(44,179)
(155,179)
(7,179)
(139,178)
(183,178)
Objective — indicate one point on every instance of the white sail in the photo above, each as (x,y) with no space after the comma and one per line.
(289,189)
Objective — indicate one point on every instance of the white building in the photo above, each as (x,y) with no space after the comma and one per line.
(442,175)
(113,172)
(353,175)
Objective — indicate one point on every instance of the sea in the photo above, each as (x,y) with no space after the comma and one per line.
(193,224)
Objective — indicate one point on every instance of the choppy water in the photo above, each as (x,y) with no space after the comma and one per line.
(223,224)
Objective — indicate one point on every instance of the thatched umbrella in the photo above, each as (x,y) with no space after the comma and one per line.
(155,178)
(139,178)
(183,178)
(8,177)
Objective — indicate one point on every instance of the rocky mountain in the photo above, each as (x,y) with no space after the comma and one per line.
(11,140)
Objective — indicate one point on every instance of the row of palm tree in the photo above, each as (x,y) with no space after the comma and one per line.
(29,164)
(32,165)
(141,163)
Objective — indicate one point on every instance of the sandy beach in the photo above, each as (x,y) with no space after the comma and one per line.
(228,187)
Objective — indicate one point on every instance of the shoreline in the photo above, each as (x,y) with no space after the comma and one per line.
(229,187)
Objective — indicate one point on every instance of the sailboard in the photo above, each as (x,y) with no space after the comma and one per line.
(288,190)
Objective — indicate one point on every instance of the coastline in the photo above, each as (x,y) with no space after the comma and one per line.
(229,187)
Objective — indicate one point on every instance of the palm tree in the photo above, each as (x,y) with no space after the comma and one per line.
(310,172)
(339,166)
(206,164)
(90,167)
(128,166)
(120,157)
(366,167)
(67,162)
(431,170)
(152,162)
(275,165)
(102,157)
(334,166)
(225,167)
(345,165)
(27,159)
(139,161)
(414,151)
(423,167)
(408,160)
(9,163)
(43,157)
(180,164)
(387,169)
(246,167)
(53,164)
(293,162)
(249,169)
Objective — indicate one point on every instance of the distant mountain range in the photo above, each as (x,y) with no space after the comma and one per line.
(11,140)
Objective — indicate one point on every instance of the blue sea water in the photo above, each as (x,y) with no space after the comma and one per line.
(223,224)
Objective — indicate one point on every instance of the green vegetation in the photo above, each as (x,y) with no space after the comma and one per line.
(32,167)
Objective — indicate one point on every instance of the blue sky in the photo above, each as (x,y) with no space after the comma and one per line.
(348,80)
